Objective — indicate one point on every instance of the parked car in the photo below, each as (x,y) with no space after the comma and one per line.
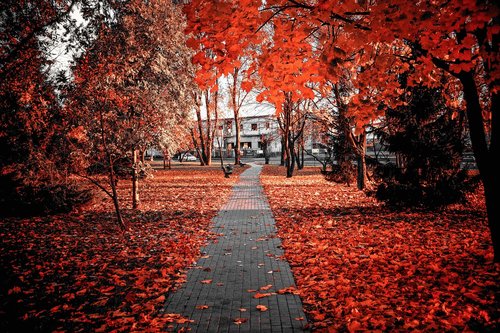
(188,158)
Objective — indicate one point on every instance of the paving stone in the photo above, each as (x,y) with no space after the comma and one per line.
(239,261)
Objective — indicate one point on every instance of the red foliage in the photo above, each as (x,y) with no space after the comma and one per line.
(78,272)
(359,266)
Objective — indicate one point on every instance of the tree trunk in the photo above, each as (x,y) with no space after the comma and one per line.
(491,191)
(114,196)
(210,141)
(484,156)
(195,143)
(201,149)
(361,157)
(237,151)
(169,160)
(236,114)
(297,159)
(116,204)
(300,157)
(282,153)
(135,180)
(345,144)
(208,160)
(112,176)
(290,160)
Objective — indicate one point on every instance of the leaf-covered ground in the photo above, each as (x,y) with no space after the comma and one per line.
(360,266)
(78,272)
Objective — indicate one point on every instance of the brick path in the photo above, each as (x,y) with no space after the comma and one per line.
(244,258)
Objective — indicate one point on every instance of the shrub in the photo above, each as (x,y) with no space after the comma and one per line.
(20,198)
(446,191)
(428,141)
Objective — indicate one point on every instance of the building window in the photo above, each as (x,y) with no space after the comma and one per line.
(254,127)
(229,124)
(246,145)
(268,124)
(241,127)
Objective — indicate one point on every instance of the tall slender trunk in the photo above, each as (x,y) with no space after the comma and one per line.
(282,153)
(209,130)
(116,204)
(237,150)
(236,114)
(197,147)
(361,157)
(209,155)
(300,155)
(201,148)
(290,167)
(135,180)
(485,156)
(216,122)
(286,151)
(290,160)
(112,177)
(346,144)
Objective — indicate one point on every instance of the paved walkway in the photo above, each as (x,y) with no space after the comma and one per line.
(232,271)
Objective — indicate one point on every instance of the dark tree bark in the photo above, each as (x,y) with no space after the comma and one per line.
(292,126)
(201,150)
(236,116)
(290,157)
(135,179)
(237,151)
(282,153)
(114,197)
(210,130)
(207,134)
(111,175)
(361,157)
(300,155)
(197,147)
(484,155)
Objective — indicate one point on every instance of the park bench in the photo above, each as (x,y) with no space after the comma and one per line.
(228,170)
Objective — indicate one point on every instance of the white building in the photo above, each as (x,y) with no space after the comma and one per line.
(253,130)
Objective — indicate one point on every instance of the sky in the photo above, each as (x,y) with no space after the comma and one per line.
(62,59)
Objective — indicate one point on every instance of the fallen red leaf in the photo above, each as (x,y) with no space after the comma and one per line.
(239,321)
(261,295)
(261,308)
